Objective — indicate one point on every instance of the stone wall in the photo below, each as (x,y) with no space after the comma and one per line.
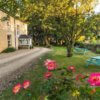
(13,27)
(3,35)
(3,40)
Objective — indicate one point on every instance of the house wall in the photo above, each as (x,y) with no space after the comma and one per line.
(3,35)
(12,27)
(3,40)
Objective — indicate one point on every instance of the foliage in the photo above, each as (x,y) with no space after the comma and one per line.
(62,83)
(94,26)
(10,6)
(98,50)
(66,19)
(81,39)
(80,45)
(8,50)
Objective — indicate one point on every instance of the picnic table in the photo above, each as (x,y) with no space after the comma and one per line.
(94,61)
(80,50)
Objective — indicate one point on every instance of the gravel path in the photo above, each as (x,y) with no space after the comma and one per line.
(12,64)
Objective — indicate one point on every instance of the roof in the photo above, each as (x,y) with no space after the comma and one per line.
(25,36)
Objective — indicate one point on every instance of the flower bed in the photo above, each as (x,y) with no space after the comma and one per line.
(60,83)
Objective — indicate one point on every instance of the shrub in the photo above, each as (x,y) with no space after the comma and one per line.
(61,83)
(80,44)
(8,50)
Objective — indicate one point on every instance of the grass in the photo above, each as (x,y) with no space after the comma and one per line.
(35,74)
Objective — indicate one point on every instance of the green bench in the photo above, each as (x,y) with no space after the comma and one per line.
(80,50)
(94,61)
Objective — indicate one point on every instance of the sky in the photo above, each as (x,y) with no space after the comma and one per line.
(97,8)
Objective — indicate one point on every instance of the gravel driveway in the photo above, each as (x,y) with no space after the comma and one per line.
(11,62)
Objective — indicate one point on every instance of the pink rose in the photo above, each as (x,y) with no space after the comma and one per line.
(71,68)
(26,84)
(50,64)
(17,88)
(94,79)
(48,75)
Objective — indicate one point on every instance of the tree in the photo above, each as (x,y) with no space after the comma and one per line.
(68,18)
(94,25)
(10,6)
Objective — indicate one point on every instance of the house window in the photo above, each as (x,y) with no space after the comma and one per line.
(9,40)
(24,41)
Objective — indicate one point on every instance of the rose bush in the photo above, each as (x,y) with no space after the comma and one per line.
(65,84)
(16,89)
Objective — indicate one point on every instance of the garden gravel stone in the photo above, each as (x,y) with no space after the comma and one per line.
(13,64)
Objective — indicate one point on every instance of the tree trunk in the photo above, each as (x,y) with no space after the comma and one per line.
(70,49)
(47,41)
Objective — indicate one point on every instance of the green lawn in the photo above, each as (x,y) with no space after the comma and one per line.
(35,74)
